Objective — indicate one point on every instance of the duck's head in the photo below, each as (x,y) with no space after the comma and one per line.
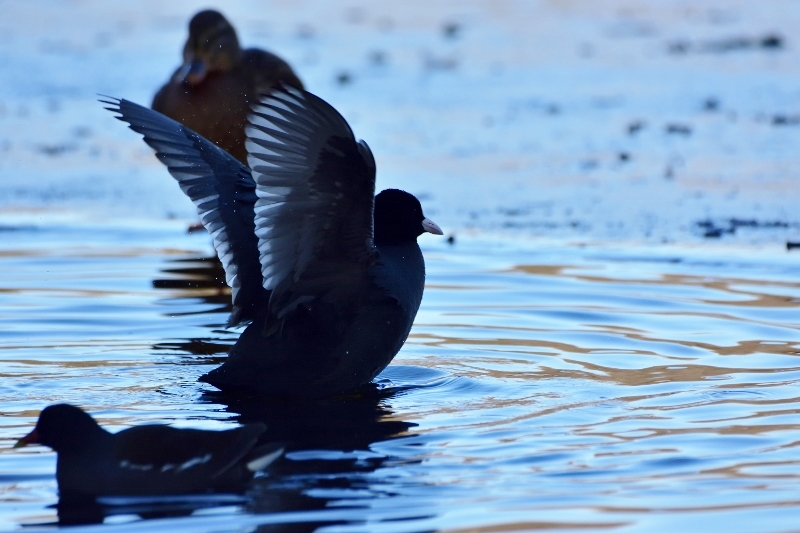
(399,218)
(62,427)
(212,47)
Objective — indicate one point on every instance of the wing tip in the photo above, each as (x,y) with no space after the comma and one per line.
(114,104)
(108,99)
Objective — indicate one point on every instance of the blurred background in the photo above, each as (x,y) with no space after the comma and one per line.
(609,119)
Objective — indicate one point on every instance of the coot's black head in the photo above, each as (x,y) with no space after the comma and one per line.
(64,428)
(399,218)
(212,46)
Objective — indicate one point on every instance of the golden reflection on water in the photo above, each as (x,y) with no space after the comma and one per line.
(582,382)
(754,299)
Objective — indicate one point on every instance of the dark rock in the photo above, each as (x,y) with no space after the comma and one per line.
(679,47)
(785,120)
(711,229)
(54,150)
(635,127)
(730,44)
(451,30)
(711,104)
(772,41)
(679,129)
(344,78)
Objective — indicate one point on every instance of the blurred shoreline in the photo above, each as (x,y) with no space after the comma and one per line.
(600,121)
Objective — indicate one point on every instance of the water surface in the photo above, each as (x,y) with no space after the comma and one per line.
(545,385)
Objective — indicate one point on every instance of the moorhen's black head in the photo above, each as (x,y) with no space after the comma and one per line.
(64,428)
(212,46)
(399,219)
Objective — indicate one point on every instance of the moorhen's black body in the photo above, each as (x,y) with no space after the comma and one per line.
(146,460)
(330,300)
(211,92)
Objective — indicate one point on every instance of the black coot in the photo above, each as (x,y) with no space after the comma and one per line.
(329,277)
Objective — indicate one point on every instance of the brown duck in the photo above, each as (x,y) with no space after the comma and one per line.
(212,90)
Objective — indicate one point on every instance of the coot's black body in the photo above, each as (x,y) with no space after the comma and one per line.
(329,276)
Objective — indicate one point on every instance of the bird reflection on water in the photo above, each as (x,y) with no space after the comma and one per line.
(327,441)
(205,277)
(327,447)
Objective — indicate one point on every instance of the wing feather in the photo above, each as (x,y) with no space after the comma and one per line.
(222,190)
(315,186)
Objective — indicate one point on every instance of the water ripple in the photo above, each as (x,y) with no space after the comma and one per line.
(582,388)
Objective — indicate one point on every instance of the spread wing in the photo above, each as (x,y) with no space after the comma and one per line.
(315,187)
(222,190)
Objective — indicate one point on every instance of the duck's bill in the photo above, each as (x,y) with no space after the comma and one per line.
(193,72)
(30,438)
(430,226)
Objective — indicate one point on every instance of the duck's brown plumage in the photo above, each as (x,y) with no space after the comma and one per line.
(212,90)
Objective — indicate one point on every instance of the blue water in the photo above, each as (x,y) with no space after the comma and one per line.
(545,385)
